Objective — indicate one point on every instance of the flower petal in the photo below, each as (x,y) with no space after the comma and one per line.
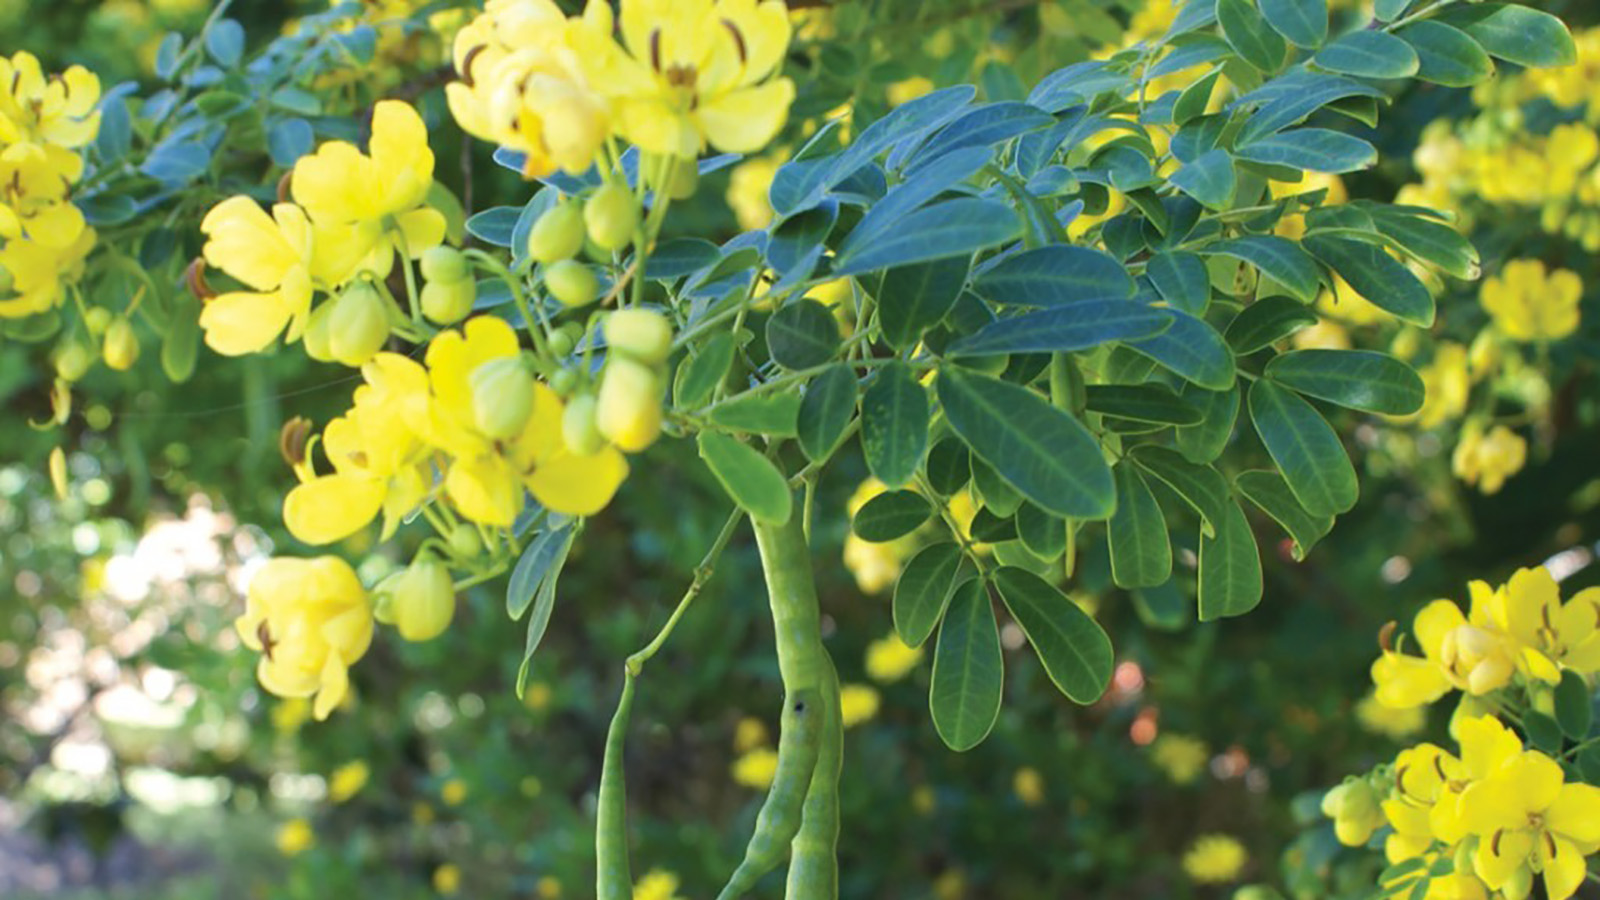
(332,507)
(746,120)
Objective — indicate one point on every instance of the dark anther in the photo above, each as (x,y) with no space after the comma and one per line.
(655,49)
(264,634)
(466,64)
(285,184)
(195,277)
(738,41)
(292,440)
(1386,636)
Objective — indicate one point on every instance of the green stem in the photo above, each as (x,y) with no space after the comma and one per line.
(702,574)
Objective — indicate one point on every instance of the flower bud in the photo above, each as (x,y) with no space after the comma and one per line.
(572,283)
(643,334)
(579,431)
(358,324)
(563,381)
(502,397)
(121,348)
(444,264)
(421,600)
(72,360)
(98,319)
(629,409)
(611,216)
(563,341)
(1354,808)
(464,542)
(448,302)
(557,235)
(317,336)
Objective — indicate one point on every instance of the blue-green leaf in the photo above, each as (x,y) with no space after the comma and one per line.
(1054,275)
(1306,449)
(1192,349)
(1076,326)
(1271,493)
(1230,567)
(1141,553)
(968,670)
(802,334)
(1303,22)
(1209,178)
(751,479)
(825,411)
(1358,379)
(1180,277)
(894,424)
(1527,37)
(1278,258)
(1316,149)
(1369,54)
(1267,321)
(1446,55)
(950,228)
(1375,275)
(1249,34)
(923,591)
(890,515)
(915,298)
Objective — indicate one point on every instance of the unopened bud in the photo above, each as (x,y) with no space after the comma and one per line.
(572,283)
(421,600)
(502,397)
(557,235)
(444,264)
(629,411)
(611,216)
(121,347)
(579,430)
(643,334)
(358,324)
(448,302)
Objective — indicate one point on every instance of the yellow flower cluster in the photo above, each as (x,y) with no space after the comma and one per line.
(45,122)
(1181,757)
(1519,631)
(1528,303)
(684,75)
(1499,815)
(1486,458)
(353,212)
(1215,859)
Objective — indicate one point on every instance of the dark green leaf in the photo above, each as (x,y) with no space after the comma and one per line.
(990,527)
(890,515)
(1358,379)
(1163,607)
(1303,22)
(1316,149)
(923,591)
(751,479)
(1265,322)
(1043,534)
(698,377)
(1375,275)
(1044,452)
(1292,97)
(1306,449)
(1277,258)
(1209,178)
(825,411)
(1202,487)
(1574,709)
(1193,350)
(771,413)
(968,670)
(1230,567)
(1141,554)
(1446,55)
(1181,279)
(1543,732)
(915,298)
(993,491)
(544,604)
(1053,276)
(1271,493)
(1076,326)
(533,566)
(1249,34)
(1369,54)
(802,334)
(951,228)
(1527,37)
(894,424)
(1153,402)
(1073,648)
(1430,241)
(1203,443)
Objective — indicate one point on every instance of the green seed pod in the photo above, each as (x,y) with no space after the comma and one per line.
(502,397)
(557,235)
(799,743)
(611,216)
(121,347)
(641,334)
(448,302)
(358,324)
(445,264)
(579,430)
(572,283)
(72,360)
(564,382)
(813,854)
(562,343)
(613,872)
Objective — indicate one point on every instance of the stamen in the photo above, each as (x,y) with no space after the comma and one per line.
(292,440)
(1386,636)
(195,277)
(264,634)
(655,49)
(466,64)
(285,184)
(738,40)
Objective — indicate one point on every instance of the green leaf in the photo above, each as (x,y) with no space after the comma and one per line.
(698,377)
(1053,276)
(923,591)
(825,411)
(1574,709)
(1195,99)
(1046,453)
(771,413)
(949,466)
(1163,607)
(1527,37)
(1043,534)
(1249,35)
(1265,322)
(225,42)
(1306,449)
(1358,379)
(1316,149)
(751,479)
(1153,402)
(1278,258)
(1230,567)
(1543,732)
(1203,443)
(1446,55)
(180,346)
(968,670)
(1180,277)
(1202,487)
(1141,554)
(1271,493)
(951,228)
(1389,10)
(1209,178)
(1430,241)
(1589,763)
(890,515)
(1076,326)
(894,424)
(1073,648)
(533,566)
(992,491)
(915,298)
(1375,275)
(544,603)
(1369,54)
(1193,350)
(1303,22)
(989,527)
(802,335)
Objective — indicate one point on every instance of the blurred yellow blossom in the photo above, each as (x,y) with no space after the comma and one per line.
(447,878)
(924,800)
(1325,335)
(657,884)
(747,191)
(1182,757)
(454,792)
(422,814)
(1387,720)
(1447,384)
(890,659)
(295,837)
(290,713)
(908,89)
(950,885)
(857,703)
(749,734)
(348,780)
(311,620)
(1214,859)
(1529,305)
(756,768)
(537,696)
(549,888)
(1028,785)
(1485,459)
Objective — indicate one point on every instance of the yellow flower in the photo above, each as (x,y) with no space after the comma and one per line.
(379,462)
(1457,653)
(857,703)
(1447,384)
(295,837)
(1215,859)
(1181,757)
(693,72)
(447,878)
(747,191)
(1486,460)
(1528,305)
(58,110)
(749,734)
(549,888)
(380,195)
(454,792)
(537,696)
(348,780)
(1389,721)
(311,620)
(486,477)
(1552,635)
(890,659)
(908,89)
(1325,335)
(756,768)
(1028,785)
(289,714)
(1425,805)
(1353,807)
(1529,822)
(657,884)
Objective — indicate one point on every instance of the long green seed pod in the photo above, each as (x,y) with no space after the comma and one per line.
(798,745)
(613,875)
(813,854)
(786,560)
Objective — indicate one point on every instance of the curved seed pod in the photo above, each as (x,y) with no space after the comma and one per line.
(786,561)
(613,875)
(813,854)
(779,819)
